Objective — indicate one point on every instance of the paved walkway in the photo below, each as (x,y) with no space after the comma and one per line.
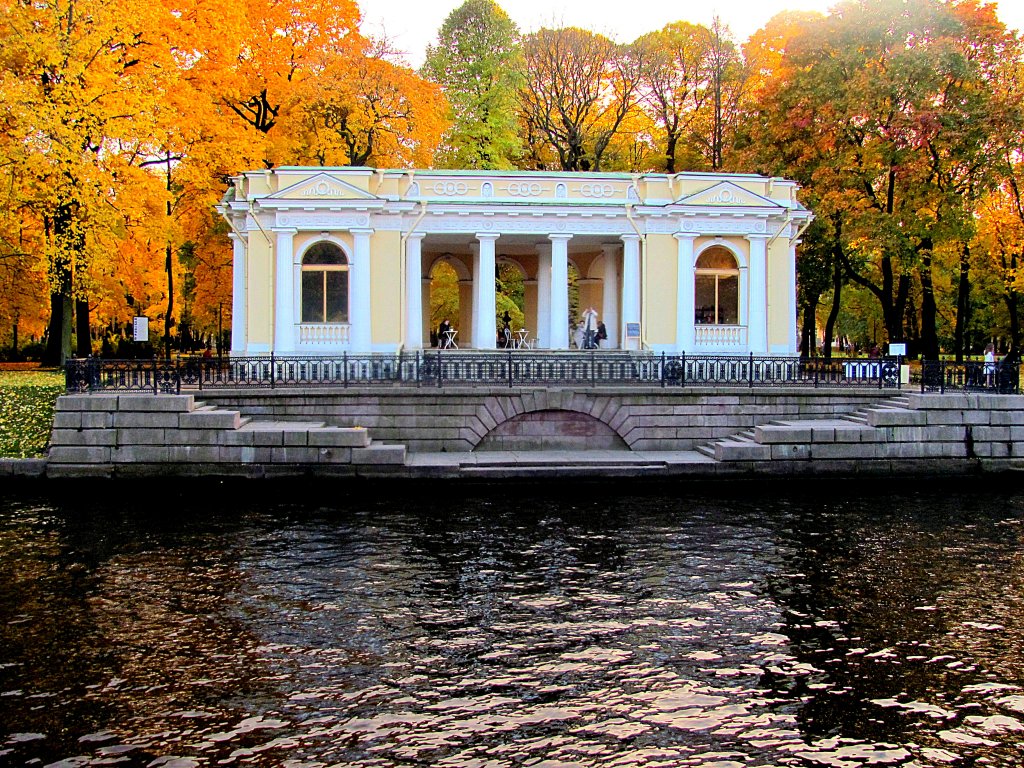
(605,463)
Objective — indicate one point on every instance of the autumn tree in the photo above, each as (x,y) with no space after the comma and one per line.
(366,110)
(277,46)
(883,113)
(476,63)
(673,80)
(75,75)
(726,79)
(577,89)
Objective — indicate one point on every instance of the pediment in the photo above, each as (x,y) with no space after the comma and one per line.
(323,186)
(727,194)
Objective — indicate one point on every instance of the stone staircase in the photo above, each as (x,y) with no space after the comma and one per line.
(898,427)
(103,434)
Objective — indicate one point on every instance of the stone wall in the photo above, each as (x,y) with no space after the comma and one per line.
(104,435)
(459,419)
(913,426)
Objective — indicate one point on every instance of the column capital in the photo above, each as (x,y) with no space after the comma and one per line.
(492,236)
(415,236)
(758,236)
(556,236)
(544,249)
(237,238)
(629,237)
(284,230)
(365,231)
(691,236)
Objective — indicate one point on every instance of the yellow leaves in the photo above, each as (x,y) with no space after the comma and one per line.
(365,110)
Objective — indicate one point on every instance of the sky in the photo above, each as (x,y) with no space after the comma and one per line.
(411,25)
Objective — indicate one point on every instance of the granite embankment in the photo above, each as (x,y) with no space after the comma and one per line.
(541,433)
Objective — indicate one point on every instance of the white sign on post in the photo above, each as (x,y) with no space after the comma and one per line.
(140,328)
(897,349)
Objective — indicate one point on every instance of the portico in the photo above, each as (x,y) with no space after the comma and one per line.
(331,260)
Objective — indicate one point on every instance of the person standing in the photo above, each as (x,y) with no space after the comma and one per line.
(443,338)
(990,365)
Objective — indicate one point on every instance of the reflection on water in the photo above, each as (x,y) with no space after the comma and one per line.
(686,629)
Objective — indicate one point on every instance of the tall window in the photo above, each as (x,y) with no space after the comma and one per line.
(717,279)
(324,285)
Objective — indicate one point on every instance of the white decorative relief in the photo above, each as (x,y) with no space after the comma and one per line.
(597,189)
(322,186)
(722,226)
(727,193)
(450,188)
(322,221)
(532,225)
(487,189)
(524,189)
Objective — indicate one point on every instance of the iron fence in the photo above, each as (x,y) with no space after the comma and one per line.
(511,368)
(1002,377)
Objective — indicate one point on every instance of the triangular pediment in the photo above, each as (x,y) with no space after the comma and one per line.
(727,194)
(323,186)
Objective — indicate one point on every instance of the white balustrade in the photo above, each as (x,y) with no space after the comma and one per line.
(323,334)
(716,337)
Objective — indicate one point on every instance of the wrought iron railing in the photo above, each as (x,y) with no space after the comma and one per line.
(1002,377)
(511,368)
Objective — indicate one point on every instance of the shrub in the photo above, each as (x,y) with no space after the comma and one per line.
(27,400)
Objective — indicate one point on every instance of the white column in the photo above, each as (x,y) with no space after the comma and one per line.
(559,291)
(685,310)
(630,287)
(544,295)
(361,319)
(792,340)
(485,329)
(239,301)
(413,291)
(610,294)
(284,292)
(425,320)
(757,315)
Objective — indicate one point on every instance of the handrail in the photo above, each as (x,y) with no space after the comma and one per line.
(522,368)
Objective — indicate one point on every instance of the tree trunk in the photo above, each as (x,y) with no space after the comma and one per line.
(929,312)
(84,337)
(14,339)
(963,303)
(58,331)
(169,266)
(833,314)
(807,327)
(169,315)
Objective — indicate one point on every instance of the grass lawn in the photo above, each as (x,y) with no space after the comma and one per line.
(27,399)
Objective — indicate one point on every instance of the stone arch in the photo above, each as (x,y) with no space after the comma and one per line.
(461,270)
(324,237)
(549,420)
(741,257)
(510,260)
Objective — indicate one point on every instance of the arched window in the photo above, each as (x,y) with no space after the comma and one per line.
(324,284)
(717,293)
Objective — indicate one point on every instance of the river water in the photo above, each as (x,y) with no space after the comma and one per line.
(715,626)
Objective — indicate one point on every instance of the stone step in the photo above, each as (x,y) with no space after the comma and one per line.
(513,470)
(856,417)
(379,454)
(708,449)
(741,450)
